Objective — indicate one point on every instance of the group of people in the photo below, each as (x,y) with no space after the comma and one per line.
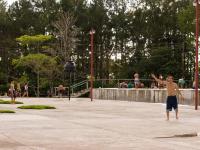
(15,91)
(137,83)
(154,84)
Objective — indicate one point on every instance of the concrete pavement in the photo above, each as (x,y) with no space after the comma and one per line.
(99,125)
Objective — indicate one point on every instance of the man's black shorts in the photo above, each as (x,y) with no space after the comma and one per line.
(172,103)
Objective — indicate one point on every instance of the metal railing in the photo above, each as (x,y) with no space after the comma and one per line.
(80,86)
(115,83)
(147,83)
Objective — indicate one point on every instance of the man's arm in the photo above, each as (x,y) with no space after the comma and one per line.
(179,92)
(158,80)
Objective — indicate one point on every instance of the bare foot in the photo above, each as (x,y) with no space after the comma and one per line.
(167,119)
(177,117)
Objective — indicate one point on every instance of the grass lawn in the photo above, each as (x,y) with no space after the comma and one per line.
(9,102)
(6,111)
(36,107)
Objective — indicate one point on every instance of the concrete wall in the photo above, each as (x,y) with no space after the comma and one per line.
(141,95)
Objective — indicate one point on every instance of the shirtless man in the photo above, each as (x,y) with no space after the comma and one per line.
(172,92)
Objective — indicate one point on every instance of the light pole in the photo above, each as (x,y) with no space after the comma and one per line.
(69,67)
(92,32)
(196,4)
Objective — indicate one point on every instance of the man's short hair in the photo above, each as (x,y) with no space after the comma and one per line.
(170,75)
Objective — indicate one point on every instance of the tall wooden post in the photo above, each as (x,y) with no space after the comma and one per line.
(197,58)
(92,32)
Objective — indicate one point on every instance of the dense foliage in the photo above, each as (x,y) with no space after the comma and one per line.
(38,36)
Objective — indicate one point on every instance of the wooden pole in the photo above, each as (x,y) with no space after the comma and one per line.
(196,58)
(92,32)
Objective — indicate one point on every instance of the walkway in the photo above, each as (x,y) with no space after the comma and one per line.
(99,125)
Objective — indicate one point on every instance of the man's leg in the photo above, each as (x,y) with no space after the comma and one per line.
(167,115)
(14,100)
(12,96)
(176,110)
(168,107)
(176,107)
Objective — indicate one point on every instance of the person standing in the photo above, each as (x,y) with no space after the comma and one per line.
(181,82)
(136,80)
(12,92)
(61,90)
(193,84)
(130,85)
(26,90)
(172,92)
(160,85)
(19,90)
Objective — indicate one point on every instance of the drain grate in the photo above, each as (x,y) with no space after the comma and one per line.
(180,136)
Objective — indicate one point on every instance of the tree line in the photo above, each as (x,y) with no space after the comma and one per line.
(37,37)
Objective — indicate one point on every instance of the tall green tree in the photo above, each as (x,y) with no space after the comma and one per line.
(35,42)
(32,63)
